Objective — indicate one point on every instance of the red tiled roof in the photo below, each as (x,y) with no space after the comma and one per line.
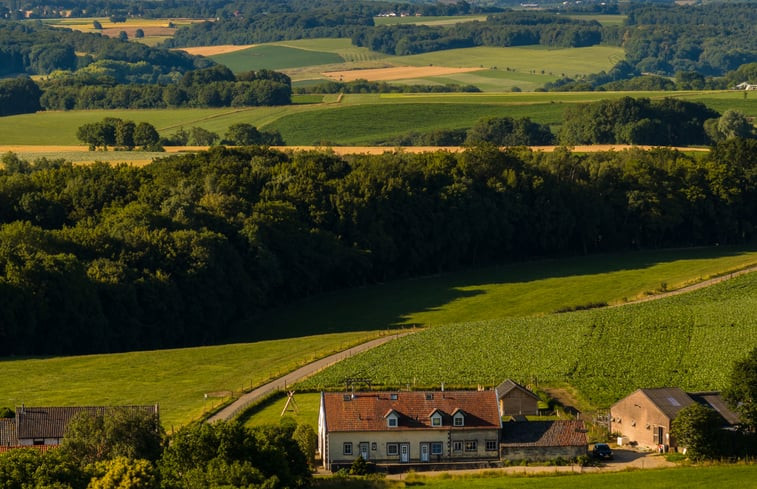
(544,434)
(366,411)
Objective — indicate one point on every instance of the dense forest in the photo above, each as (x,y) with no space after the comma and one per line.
(106,258)
(518,28)
(37,49)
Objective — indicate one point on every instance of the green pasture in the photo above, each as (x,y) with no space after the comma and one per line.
(486,80)
(59,127)
(604,19)
(342,47)
(689,341)
(273,57)
(497,292)
(177,379)
(269,411)
(705,477)
(357,119)
(527,59)
(367,125)
(428,20)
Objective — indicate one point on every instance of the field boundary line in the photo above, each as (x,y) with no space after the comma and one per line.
(281,383)
(206,118)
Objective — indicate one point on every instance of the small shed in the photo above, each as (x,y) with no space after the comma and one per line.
(543,440)
(514,399)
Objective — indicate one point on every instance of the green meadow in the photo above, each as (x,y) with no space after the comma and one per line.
(705,477)
(514,290)
(274,57)
(356,119)
(527,67)
(688,341)
(426,20)
(271,410)
(177,379)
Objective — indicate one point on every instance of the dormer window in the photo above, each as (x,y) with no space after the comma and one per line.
(429,396)
(393,396)
(458,419)
(436,419)
(392,419)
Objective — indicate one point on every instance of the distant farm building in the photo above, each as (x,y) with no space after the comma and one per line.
(644,417)
(514,399)
(46,426)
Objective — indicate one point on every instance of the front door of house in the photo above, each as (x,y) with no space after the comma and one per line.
(424,452)
(405,453)
(364,450)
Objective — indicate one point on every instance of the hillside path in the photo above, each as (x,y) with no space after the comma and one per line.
(293,377)
(690,288)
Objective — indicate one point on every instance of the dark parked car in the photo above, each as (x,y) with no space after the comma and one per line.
(602,451)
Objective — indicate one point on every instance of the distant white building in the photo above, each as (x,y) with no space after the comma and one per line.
(745,86)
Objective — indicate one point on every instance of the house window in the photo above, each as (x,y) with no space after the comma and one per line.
(347,448)
(457,446)
(436,420)
(491,445)
(459,420)
(374,446)
(436,448)
(471,445)
(392,450)
(392,422)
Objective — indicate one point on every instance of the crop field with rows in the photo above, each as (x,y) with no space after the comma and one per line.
(688,341)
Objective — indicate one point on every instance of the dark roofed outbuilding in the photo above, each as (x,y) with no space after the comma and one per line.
(543,440)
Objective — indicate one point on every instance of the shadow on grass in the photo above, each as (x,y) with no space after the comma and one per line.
(391,305)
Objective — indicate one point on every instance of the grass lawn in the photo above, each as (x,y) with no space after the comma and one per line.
(177,379)
(519,289)
(269,411)
(719,476)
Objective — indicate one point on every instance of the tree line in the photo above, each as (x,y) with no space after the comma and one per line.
(125,448)
(518,28)
(104,258)
(216,86)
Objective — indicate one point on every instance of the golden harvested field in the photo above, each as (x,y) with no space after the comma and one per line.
(395,73)
(214,50)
